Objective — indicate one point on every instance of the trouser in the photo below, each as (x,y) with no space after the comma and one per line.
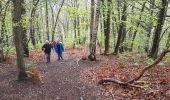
(60,55)
(47,57)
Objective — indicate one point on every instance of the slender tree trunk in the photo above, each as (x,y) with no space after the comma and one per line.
(75,26)
(67,27)
(118,9)
(101,30)
(25,43)
(122,31)
(119,29)
(32,31)
(91,23)
(42,26)
(168,42)
(39,33)
(75,33)
(78,29)
(107,26)
(52,15)
(18,30)
(115,25)
(158,29)
(32,23)
(0,7)
(138,24)
(129,36)
(92,55)
(77,21)
(46,17)
(56,20)
(3,32)
(150,28)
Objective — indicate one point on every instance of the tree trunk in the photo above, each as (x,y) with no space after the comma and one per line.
(3,32)
(91,23)
(25,43)
(122,31)
(47,25)
(52,15)
(75,33)
(32,23)
(158,29)
(168,42)
(56,20)
(78,29)
(92,55)
(18,30)
(146,44)
(138,24)
(67,27)
(0,7)
(32,32)
(39,40)
(107,26)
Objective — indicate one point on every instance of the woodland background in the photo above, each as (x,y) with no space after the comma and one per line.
(127,31)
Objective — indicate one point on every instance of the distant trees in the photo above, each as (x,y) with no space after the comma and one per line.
(132,25)
(136,25)
(32,21)
(3,32)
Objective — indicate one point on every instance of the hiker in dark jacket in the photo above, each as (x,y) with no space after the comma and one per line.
(59,49)
(47,50)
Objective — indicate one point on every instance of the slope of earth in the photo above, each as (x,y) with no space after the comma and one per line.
(155,84)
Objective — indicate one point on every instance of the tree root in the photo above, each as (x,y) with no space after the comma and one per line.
(130,82)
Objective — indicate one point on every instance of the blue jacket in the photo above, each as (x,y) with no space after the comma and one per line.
(59,48)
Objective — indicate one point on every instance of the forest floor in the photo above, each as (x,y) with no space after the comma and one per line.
(76,79)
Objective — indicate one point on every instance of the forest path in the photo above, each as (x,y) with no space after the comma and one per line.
(62,81)
(63,78)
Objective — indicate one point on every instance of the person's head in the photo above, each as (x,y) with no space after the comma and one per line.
(58,41)
(46,42)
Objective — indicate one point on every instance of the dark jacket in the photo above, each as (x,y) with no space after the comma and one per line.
(47,48)
(59,48)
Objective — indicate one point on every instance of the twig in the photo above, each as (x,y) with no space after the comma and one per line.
(113,97)
(136,86)
(77,60)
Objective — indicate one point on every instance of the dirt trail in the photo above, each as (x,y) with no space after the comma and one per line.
(75,79)
(62,81)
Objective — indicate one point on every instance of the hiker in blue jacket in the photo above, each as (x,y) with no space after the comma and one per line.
(59,49)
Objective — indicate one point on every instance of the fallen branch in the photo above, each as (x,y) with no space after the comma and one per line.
(130,83)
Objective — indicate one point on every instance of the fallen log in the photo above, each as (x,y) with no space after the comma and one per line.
(130,82)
